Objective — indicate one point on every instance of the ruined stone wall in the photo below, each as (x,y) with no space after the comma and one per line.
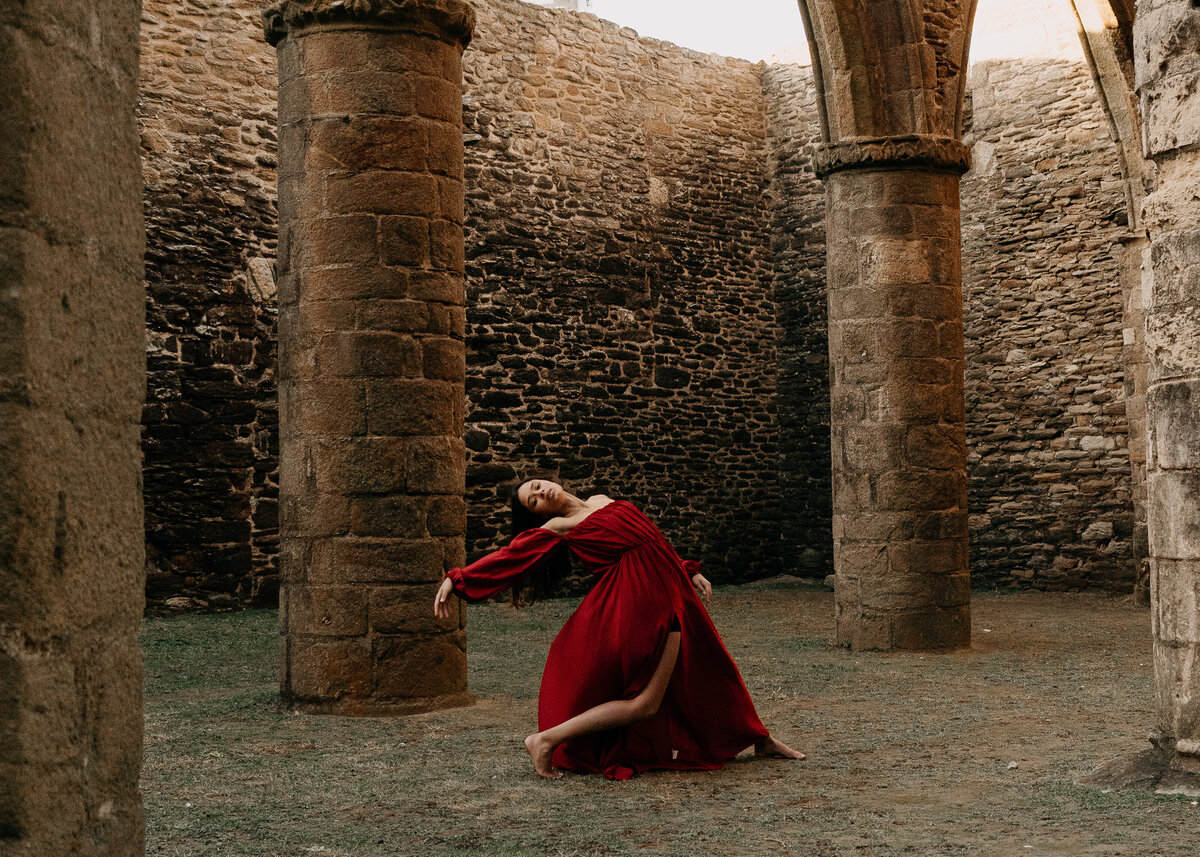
(645,274)
(1043,214)
(621,333)
(207,118)
(797,201)
(621,328)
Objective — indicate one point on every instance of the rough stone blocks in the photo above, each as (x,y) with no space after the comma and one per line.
(372,466)
(72,384)
(1166,37)
(899,448)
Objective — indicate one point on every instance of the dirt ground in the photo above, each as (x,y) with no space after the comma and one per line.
(974,752)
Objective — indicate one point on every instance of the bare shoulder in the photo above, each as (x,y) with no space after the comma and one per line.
(598,500)
(559,526)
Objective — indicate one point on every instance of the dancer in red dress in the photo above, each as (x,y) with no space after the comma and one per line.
(638,678)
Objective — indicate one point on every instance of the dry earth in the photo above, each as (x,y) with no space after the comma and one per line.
(973,752)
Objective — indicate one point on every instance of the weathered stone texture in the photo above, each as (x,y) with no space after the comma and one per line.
(888,68)
(896,388)
(621,325)
(207,118)
(1167,64)
(1136,364)
(1043,217)
(797,200)
(71,388)
(372,360)
(945,29)
(634,248)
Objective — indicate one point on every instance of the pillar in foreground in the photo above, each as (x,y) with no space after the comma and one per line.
(896,365)
(72,384)
(371,350)
(1167,41)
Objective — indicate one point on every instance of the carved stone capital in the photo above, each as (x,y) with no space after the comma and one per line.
(940,154)
(449,20)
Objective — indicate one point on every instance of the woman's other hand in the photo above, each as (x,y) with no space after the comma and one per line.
(703,587)
(441,601)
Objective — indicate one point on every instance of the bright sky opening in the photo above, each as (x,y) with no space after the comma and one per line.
(750,29)
(772,29)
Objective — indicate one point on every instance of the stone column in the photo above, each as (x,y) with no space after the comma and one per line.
(72,383)
(1134,253)
(896,367)
(1167,67)
(371,350)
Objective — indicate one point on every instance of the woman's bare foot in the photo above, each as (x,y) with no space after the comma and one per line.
(540,751)
(773,747)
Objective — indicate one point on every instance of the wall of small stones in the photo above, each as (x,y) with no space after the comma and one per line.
(646,309)
(797,202)
(621,324)
(1043,214)
(207,118)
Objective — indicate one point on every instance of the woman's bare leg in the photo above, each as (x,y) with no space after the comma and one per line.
(774,747)
(606,715)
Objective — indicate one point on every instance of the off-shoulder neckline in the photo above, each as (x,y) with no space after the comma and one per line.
(592,515)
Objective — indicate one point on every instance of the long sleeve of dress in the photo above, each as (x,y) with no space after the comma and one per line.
(502,568)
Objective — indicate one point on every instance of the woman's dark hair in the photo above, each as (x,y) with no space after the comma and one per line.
(540,582)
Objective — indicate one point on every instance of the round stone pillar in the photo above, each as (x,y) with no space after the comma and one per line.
(896,367)
(371,351)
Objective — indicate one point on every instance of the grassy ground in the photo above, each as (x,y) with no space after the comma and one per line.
(909,753)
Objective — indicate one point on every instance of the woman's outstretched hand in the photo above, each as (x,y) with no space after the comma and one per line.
(441,601)
(703,587)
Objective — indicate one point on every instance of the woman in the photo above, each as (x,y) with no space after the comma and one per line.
(638,678)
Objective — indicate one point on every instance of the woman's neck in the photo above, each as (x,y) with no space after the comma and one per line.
(573,505)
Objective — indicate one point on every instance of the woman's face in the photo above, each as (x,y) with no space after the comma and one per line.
(542,497)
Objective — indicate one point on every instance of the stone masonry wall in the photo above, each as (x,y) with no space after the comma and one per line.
(621,327)
(621,331)
(207,117)
(645,270)
(1043,212)
(797,200)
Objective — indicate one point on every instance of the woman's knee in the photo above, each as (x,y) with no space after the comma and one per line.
(646,704)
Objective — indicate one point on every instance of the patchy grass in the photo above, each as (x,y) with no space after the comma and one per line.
(909,753)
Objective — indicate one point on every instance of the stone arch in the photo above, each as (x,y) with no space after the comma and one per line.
(891,78)
(1106,33)
(889,67)
(1022,55)
(876,162)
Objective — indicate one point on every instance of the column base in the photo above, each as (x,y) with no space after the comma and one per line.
(1153,770)
(922,630)
(379,707)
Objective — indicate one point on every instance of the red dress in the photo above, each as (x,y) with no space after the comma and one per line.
(610,646)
